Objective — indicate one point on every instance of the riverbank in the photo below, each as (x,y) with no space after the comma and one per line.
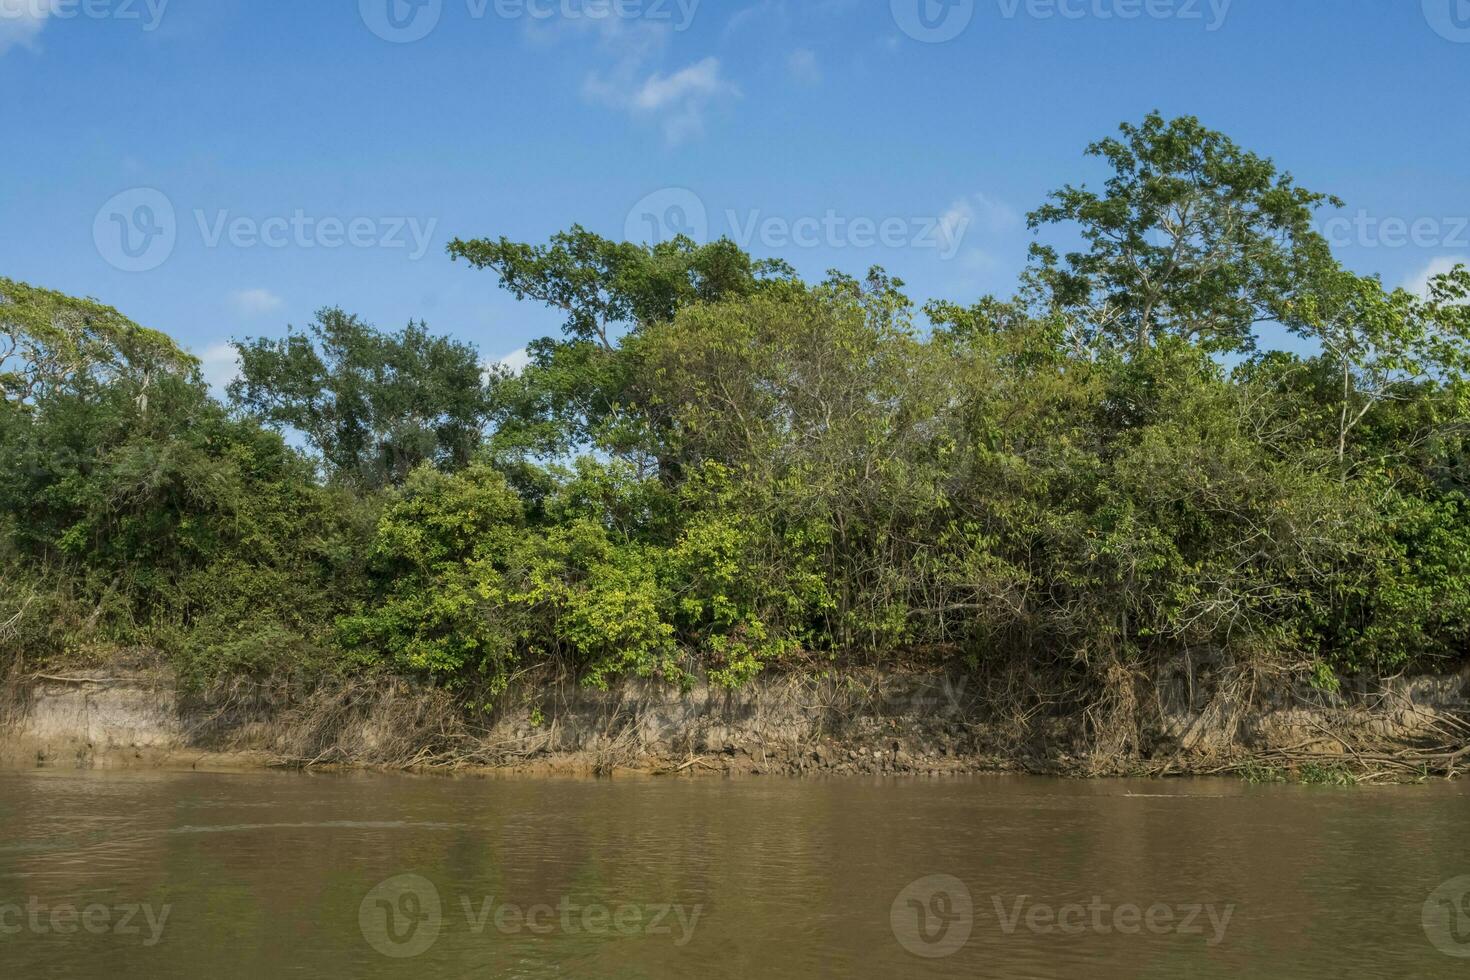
(864,722)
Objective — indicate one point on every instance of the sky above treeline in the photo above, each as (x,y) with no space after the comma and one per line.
(222,168)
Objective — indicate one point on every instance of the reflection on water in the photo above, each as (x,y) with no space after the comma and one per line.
(173,875)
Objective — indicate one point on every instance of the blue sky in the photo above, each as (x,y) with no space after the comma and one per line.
(220,168)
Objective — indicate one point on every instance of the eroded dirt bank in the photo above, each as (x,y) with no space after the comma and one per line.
(865,722)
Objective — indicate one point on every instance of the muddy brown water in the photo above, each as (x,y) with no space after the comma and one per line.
(269,875)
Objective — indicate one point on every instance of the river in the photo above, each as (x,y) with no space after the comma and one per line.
(135,875)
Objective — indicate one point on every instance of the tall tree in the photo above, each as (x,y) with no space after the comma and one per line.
(50,341)
(374,405)
(1191,236)
(604,286)
(576,391)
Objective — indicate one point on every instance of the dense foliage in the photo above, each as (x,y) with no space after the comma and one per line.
(720,468)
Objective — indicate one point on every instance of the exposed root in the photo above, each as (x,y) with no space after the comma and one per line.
(1199,715)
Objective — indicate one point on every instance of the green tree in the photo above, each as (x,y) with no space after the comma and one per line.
(136,511)
(1383,346)
(605,287)
(825,404)
(1191,236)
(51,342)
(374,405)
(575,392)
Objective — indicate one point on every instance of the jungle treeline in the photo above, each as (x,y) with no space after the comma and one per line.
(720,469)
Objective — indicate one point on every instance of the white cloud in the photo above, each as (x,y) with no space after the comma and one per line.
(511,364)
(254,302)
(699,79)
(986,213)
(678,100)
(22,20)
(515,362)
(975,212)
(1418,284)
(804,67)
(771,14)
(626,46)
(955,223)
(630,84)
(629,79)
(220,365)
